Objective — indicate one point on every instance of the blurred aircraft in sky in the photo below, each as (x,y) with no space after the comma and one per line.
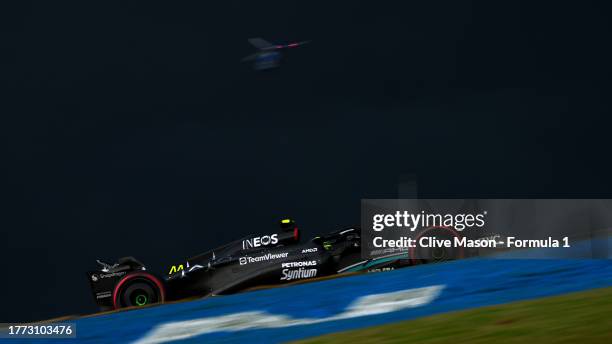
(269,55)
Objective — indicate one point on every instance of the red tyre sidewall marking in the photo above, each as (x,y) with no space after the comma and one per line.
(148,276)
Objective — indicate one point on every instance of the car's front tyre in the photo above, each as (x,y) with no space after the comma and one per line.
(424,255)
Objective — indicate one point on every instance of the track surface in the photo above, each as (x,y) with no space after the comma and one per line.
(305,310)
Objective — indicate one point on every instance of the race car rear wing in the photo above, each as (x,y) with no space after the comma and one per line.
(102,281)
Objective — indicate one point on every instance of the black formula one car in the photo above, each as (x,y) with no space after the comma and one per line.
(252,261)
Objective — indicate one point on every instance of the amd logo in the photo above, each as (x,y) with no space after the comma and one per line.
(260,241)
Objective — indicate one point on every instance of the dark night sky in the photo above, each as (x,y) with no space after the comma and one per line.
(132,128)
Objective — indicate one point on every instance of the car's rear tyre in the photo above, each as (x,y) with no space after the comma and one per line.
(424,255)
(137,290)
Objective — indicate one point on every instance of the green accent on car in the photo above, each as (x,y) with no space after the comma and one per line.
(141,300)
(376,262)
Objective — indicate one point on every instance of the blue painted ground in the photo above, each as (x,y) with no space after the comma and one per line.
(468,283)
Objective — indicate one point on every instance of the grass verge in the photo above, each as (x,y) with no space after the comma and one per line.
(584,317)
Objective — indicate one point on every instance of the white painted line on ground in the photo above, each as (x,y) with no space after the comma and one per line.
(364,306)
